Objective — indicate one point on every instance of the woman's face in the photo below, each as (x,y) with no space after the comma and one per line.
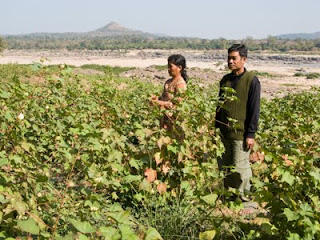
(173,69)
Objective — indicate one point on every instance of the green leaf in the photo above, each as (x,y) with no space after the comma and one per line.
(306,210)
(121,217)
(114,195)
(152,234)
(315,200)
(45,234)
(8,116)
(29,226)
(26,146)
(294,236)
(3,161)
(117,167)
(207,235)
(115,156)
(4,95)
(268,158)
(16,158)
(145,185)
(35,128)
(132,178)
(291,216)
(210,199)
(133,163)
(172,148)
(84,227)
(138,197)
(67,155)
(2,200)
(110,233)
(288,178)
(70,236)
(315,174)
(127,233)
(20,207)
(83,237)
(95,144)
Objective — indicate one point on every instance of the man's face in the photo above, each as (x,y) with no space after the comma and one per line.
(235,61)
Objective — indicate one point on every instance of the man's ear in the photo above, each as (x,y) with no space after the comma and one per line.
(244,59)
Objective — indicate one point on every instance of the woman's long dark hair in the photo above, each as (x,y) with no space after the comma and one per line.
(179,60)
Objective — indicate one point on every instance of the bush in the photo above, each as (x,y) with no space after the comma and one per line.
(299,75)
(90,161)
(3,45)
(313,75)
(264,74)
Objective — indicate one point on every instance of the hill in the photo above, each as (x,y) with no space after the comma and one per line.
(293,36)
(112,29)
(115,29)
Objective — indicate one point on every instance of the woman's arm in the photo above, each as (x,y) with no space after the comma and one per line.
(180,88)
(155,100)
(165,104)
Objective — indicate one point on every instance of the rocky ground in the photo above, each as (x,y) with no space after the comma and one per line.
(271,85)
(276,71)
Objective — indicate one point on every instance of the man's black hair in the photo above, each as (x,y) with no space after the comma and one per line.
(241,48)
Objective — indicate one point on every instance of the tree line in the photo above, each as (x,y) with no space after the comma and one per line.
(2,44)
(142,42)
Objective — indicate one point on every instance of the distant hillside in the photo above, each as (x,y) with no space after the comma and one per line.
(293,36)
(115,29)
(114,36)
(112,29)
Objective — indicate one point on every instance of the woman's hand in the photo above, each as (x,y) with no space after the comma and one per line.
(154,97)
(153,100)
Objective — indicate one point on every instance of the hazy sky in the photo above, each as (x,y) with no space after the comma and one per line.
(211,19)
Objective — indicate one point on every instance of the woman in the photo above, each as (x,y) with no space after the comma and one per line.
(172,87)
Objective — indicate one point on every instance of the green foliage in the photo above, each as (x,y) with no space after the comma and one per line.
(176,219)
(289,183)
(58,150)
(264,74)
(299,74)
(29,226)
(107,69)
(74,156)
(84,157)
(308,75)
(313,75)
(3,45)
(73,42)
(161,67)
(8,71)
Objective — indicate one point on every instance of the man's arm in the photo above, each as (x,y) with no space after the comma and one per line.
(253,111)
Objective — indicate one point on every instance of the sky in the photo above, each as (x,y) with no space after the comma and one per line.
(210,19)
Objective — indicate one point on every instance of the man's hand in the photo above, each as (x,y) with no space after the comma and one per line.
(250,143)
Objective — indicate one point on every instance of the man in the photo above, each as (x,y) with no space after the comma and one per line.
(239,137)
